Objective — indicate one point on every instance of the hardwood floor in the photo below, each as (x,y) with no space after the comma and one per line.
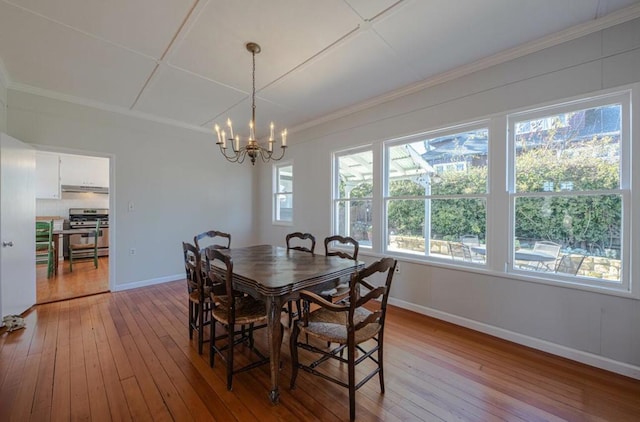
(84,280)
(127,356)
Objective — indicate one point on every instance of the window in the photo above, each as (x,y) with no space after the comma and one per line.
(550,201)
(568,189)
(283,193)
(352,195)
(436,194)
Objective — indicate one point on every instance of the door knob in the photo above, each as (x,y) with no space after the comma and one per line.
(9,243)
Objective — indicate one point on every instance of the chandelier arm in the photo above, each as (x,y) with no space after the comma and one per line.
(237,157)
(267,156)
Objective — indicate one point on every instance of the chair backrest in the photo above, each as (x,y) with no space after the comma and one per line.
(349,243)
(470,239)
(569,264)
(210,236)
(459,251)
(44,232)
(294,238)
(192,266)
(546,247)
(357,299)
(220,273)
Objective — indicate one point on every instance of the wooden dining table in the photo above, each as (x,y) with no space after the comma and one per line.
(277,275)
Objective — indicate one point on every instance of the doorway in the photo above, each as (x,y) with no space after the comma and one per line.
(77,186)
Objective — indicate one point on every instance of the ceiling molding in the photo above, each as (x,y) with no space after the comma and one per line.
(105,107)
(615,18)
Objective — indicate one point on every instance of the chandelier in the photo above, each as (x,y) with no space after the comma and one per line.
(252,149)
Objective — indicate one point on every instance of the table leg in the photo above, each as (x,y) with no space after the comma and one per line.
(274,327)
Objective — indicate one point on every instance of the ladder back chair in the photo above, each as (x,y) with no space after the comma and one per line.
(296,241)
(199,298)
(45,247)
(214,239)
(352,325)
(230,311)
(348,249)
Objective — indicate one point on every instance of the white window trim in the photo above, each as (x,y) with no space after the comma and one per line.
(275,192)
(498,206)
(335,189)
(385,197)
(587,101)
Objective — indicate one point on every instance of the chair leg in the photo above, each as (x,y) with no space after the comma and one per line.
(380,363)
(352,380)
(212,340)
(230,340)
(294,355)
(200,326)
(190,320)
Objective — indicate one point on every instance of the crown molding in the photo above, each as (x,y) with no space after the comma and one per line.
(620,16)
(105,107)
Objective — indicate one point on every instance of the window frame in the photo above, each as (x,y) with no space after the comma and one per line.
(386,197)
(335,191)
(500,228)
(275,193)
(624,98)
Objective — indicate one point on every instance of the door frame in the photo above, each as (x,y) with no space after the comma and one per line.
(112,197)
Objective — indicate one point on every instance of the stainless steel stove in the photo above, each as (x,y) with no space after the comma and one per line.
(83,218)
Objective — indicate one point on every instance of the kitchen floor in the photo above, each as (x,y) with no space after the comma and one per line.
(84,280)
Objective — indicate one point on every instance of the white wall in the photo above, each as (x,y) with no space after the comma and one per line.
(3,101)
(177,180)
(600,329)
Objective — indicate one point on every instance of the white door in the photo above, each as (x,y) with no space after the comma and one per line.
(17,226)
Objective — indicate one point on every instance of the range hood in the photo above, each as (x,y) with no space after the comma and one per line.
(84,188)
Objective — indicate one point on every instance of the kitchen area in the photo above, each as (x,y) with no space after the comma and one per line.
(73,192)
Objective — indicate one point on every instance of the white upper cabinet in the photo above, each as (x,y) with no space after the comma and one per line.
(78,170)
(47,175)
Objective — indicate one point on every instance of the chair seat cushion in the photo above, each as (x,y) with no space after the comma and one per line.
(248,310)
(332,326)
(194,296)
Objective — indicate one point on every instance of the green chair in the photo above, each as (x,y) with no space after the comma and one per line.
(84,250)
(45,248)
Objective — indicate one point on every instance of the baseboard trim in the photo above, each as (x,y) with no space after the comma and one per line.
(150,282)
(535,343)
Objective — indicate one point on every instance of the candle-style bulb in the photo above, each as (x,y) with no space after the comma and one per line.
(284,138)
(217,128)
(230,128)
(271,132)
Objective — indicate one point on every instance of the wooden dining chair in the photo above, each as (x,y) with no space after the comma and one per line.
(351,325)
(231,312)
(45,247)
(296,242)
(343,247)
(305,242)
(213,238)
(86,249)
(200,302)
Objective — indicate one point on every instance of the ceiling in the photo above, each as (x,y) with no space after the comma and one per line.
(185,62)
